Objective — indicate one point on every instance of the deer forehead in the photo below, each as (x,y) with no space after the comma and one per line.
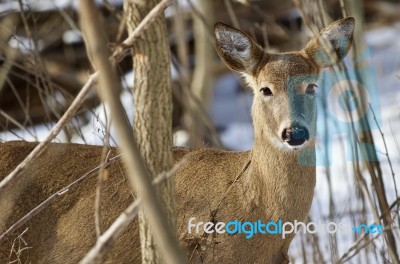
(286,68)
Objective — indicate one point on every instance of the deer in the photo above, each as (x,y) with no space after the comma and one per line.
(273,181)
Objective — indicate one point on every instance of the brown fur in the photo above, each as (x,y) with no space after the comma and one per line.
(266,183)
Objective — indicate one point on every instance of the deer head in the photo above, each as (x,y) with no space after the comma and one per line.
(284,84)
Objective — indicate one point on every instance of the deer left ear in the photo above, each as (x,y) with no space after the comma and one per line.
(337,38)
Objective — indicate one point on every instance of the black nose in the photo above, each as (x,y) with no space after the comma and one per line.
(295,135)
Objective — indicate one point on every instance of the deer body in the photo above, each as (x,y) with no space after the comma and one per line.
(274,181)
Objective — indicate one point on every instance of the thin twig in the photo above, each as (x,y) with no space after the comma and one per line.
(231,13)
(16,123)
(343,8)
(345,256)
(105,241)
(386,150)
(357,248)
(181,40)
(104,158)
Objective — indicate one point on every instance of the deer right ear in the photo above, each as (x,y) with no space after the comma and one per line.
(338,36)
(236,49)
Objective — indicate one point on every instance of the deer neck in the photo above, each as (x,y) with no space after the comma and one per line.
(281,183)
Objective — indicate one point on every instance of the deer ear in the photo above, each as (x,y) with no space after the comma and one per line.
(337,38)
(236,49)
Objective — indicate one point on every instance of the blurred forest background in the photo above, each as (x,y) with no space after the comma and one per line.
(44,65)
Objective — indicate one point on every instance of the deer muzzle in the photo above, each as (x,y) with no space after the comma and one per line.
(295,136)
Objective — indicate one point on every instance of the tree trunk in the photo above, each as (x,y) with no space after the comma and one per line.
(153,111)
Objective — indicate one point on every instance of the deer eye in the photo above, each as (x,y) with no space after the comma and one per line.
(311,88)
(266,91)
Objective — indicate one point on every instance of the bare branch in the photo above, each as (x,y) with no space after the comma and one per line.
(104,158)
(105,241)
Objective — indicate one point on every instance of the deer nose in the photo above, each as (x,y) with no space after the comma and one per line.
(295,136)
